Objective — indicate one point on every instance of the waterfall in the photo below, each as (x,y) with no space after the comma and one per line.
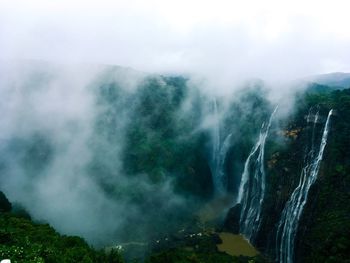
(288,224)
(220,175)
(219,154)
(216,148)
(252,187)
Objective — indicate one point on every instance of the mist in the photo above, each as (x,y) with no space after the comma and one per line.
(86,148)
(48,142)
(222,41)
(71,75)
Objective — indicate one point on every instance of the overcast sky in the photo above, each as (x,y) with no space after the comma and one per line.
(270,39)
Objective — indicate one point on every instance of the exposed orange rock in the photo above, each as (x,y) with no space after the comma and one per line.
(292,134)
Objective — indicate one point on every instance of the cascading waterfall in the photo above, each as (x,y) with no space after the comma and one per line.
(220,174)
(216,147)
(252,187)
(219,155)
(288,224)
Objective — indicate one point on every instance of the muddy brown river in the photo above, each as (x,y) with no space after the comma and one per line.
(236,245)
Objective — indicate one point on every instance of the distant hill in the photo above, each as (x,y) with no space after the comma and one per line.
(339,80)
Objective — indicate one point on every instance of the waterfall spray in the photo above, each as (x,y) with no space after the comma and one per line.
(216,149)
(252,187)
(219,155)
(221,177)
(288,224)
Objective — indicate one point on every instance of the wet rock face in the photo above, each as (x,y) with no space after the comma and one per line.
(231,223)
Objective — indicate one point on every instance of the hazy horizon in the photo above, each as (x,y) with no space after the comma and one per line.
(225,41)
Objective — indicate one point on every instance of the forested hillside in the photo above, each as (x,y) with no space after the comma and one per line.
(159,169)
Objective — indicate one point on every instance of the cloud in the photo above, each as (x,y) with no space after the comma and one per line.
(225,40)
(56,158)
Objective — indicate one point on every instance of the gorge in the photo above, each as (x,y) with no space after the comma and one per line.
(122,157)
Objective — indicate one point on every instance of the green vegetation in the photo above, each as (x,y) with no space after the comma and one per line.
(324,229)
(22,240)
(201,249)
(244,118)
(326,223)
(185,256)
(152,135)
(156,139)
(159,141)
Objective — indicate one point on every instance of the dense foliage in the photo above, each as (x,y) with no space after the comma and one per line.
(186,256)
(22,240)
(152,151)
(324,229)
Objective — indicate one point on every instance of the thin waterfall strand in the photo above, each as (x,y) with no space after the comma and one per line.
(288,224)
(252,187)
(216,148)
(219,155)
(220,174)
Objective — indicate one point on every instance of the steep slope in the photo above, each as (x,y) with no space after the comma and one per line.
(323,223)
(335,80)
(22,240)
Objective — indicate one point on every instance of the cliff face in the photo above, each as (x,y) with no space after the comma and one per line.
(324,227)
(152,153)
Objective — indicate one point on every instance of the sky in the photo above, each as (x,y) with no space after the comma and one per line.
(222,39)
